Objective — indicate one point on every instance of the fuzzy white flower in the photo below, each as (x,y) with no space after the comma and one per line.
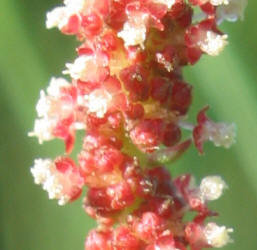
(86,68)
(50,105)
(58,17)
(78,69)
(40,170)
(55,85)
(44,173)
(59,185)
(134,30)
(133,35)
(43,129)
(213,43)
(212,187)
(50,108)
(217,236)
(221,134)
(43,105)
(98,102)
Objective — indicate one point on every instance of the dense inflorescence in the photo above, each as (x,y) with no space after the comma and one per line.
(128,94)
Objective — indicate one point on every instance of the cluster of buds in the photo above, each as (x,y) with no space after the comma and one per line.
(128,94)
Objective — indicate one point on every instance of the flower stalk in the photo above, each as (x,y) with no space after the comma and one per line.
(128,94)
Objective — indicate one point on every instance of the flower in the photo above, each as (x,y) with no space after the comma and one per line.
(134,30)
(221,134)
(212,187)
(61,178)
(128,93)
(213,43)
(217,236)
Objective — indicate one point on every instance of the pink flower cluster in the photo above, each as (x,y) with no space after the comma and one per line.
(128,94)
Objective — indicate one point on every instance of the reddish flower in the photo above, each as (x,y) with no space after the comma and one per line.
(129,95)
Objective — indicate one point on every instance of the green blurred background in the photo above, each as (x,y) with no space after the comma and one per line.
(30,55)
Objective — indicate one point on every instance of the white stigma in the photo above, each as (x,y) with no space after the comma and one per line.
(58,185)
(44,173)
(86,68)
(98,102)
(43,130)
(77,70)
(213,43)
(55,85)
(221,134)
(50,109)
(58,17)
(134,30)
(212,187)
(43,105)
(217,236)
(48,104)
(41,170)
(133,35)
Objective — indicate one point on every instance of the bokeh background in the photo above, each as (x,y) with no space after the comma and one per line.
(30,55)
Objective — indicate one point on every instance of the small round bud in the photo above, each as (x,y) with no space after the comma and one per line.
(98,240)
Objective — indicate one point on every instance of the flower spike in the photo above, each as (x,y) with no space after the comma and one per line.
(126,91)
